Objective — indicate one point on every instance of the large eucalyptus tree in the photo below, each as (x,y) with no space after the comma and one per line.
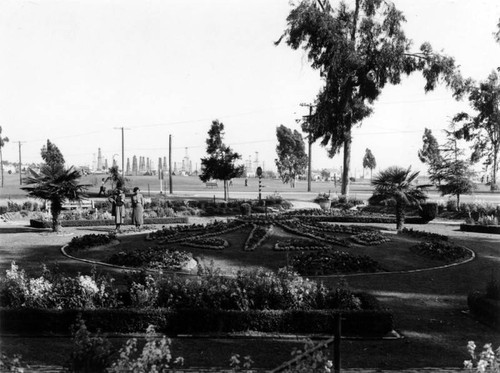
(358,49)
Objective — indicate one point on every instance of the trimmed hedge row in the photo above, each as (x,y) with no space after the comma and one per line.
(361,219)
(486,310)
(494,229)
(43,321)
(95,223)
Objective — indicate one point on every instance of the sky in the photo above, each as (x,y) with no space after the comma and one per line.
(76,71)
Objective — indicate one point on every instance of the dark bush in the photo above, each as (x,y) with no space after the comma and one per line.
(484,309)
(428,211)
(246,209)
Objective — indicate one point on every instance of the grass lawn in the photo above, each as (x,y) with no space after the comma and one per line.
(428,307)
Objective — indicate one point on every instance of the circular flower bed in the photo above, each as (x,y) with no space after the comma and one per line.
(443,251)
(328,262)
(152,257)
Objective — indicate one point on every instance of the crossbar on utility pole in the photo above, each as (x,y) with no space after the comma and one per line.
(123,147)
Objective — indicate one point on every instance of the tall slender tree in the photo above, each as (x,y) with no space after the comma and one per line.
(220,163)
(358,51)
(369,161)
(292,157)
(51,155)
(483,127)
(3,141)
(430,154)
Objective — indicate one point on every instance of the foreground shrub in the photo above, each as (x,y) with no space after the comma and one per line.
(55,290)
(90,353)
(487,360)
(154,357)
(255,290)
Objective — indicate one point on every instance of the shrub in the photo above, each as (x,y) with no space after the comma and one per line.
(154,357)
(246,209)
(487,220)
(487,360)
(90,353)
(428,211)
(55,290)
(493,289)
(91,240)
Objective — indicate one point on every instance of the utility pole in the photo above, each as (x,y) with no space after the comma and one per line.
(123,147)
(170,163)
(20,164)
(309,138)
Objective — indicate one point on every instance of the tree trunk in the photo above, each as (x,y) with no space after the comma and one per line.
(458,201)
(1,162)
(494,173)
(400,216)
(226,190)
(347,161)
(55,208)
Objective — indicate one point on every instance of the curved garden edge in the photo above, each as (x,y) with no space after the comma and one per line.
(193,264)
(184,271)
(473,256)
(492,229)
(368,323)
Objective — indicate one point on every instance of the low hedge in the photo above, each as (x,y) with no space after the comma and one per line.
(95,223)
(361,219)
(494,229)
(485,309)
(43,321)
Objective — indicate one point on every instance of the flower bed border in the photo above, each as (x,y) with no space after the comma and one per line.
(364,323)
(34,223)
(493,229)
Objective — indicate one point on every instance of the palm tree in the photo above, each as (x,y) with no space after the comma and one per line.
(395,185)
(115,178)
(55,184)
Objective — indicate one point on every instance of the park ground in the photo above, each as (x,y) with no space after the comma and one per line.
(430,308)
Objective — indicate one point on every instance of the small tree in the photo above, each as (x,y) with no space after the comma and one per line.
(117,180)
(454,175)
(220,163)
(292,157)
(430,154)
(55,184)
(51,155)
(395,184)
(325,174)
(369,161)
(483,128)
(3,140)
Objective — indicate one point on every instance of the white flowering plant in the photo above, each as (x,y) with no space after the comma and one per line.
(486,361)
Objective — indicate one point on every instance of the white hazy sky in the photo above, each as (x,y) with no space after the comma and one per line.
(73,70)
